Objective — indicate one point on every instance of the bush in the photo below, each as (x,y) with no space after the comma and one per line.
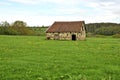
(116,36)
(1,30)
(101,36)
(89,34)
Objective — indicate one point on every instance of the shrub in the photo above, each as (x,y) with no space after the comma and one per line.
(116,36)
(89,34)
(1,30)
(101,36)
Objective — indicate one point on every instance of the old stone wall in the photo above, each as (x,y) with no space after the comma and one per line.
(66,36)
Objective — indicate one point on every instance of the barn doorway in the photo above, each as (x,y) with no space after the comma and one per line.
(73,37)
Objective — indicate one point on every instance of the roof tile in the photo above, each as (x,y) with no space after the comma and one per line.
(74,26)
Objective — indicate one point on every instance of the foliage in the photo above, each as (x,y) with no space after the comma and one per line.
(104,31)
(89,34)
(108,30)
(8,31)
(4,24)
(4,27)
(1,30)
(21,27)
(103,28)
(39,31)
(100,36)
(34,58)
(17,28)
(116,36)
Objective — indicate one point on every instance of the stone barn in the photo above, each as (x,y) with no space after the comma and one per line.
(74,30)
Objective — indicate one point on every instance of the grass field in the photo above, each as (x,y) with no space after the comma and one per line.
(34,58)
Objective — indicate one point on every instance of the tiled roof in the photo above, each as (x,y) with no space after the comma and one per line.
(74,26)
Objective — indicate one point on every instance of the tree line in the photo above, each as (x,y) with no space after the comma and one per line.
(16,28)
(107,29)
(21,28)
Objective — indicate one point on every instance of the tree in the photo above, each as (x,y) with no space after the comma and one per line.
(21,28)
(19,24)
(103,28)
(4,24)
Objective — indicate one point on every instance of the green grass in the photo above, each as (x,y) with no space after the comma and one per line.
(34,58)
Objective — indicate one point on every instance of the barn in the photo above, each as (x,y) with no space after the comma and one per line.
(71,30)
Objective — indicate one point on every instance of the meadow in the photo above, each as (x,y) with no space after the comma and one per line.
(34,58)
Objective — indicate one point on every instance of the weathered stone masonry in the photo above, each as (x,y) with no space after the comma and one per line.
(77,35)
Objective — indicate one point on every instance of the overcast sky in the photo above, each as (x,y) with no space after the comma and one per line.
(45,12)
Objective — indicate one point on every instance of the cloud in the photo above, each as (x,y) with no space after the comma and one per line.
(5,3)
(59,2)
(48,20)
(45,12)
(36,1)
(25,1)
(101,4)
(107,7)
(63,11)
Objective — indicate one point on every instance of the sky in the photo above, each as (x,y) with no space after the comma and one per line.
(45,12)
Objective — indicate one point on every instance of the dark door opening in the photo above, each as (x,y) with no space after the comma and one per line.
(73,37)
